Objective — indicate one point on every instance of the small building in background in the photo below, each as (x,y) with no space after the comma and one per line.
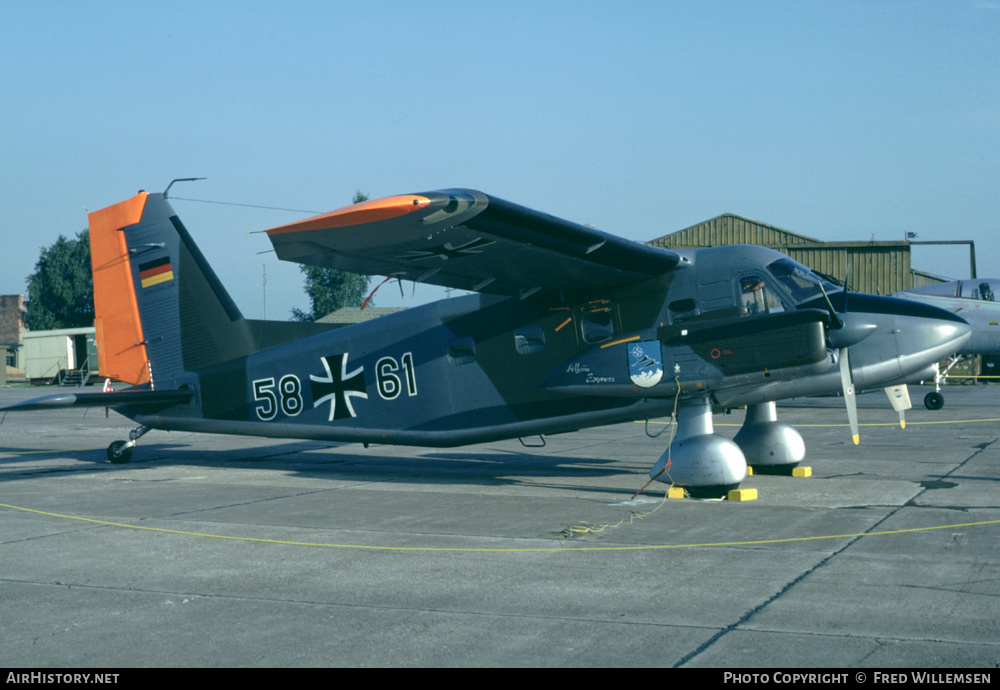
(66,356)
(12,333)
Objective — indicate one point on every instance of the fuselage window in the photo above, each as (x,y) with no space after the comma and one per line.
(683,309)
(597,326)
(529,339)
(462,351)
(597,321)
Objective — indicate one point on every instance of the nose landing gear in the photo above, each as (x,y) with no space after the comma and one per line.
(933,401)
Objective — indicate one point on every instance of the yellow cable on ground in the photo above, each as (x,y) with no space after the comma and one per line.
(485,550)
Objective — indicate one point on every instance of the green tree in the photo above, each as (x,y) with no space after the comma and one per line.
(330,289)
(61,290)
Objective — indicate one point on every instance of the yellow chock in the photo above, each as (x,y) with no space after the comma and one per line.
(802,471)
(749,471)
(675,492)
(743,495)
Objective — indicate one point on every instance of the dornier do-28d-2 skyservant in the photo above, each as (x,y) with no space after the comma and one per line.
(569,327)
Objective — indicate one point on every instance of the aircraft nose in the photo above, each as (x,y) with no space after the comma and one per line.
(927,334)
(939,328)
(909,338)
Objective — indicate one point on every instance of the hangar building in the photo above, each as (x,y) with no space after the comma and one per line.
(877,267)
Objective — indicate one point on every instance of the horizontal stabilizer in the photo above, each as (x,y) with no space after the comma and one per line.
(132,398)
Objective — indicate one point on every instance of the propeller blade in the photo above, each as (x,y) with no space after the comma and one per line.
(848,387)
(835,322)
(847,286)
(899,396)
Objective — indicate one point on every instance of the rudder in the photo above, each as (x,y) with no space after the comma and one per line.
(121,353)
(160,310)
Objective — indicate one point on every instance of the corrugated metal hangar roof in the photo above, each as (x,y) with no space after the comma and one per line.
(877,267)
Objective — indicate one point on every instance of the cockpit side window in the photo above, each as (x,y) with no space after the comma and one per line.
(756,297)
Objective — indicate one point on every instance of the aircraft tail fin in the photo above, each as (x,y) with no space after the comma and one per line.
(160,310)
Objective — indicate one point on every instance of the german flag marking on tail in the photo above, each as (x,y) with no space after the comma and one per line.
(156,272)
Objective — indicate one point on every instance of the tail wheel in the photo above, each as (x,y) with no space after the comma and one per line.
(120,452)
(933,401)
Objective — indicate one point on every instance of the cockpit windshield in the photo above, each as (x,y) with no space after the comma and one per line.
(801,283)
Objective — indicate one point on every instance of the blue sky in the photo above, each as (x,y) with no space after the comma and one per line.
(837,120)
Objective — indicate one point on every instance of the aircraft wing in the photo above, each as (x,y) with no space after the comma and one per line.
(465,239)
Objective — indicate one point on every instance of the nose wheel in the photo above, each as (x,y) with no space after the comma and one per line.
(933,401)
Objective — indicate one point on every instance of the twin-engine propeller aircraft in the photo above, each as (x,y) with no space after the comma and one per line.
(975,301)
(569,328)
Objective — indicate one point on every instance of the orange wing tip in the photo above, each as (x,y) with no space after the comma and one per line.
(358,214)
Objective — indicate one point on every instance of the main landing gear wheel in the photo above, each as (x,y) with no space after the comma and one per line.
(120,452)
(705,464)
(769,446)
(933,401)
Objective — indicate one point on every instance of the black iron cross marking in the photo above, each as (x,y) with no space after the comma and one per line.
(338,387)
(449,250)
